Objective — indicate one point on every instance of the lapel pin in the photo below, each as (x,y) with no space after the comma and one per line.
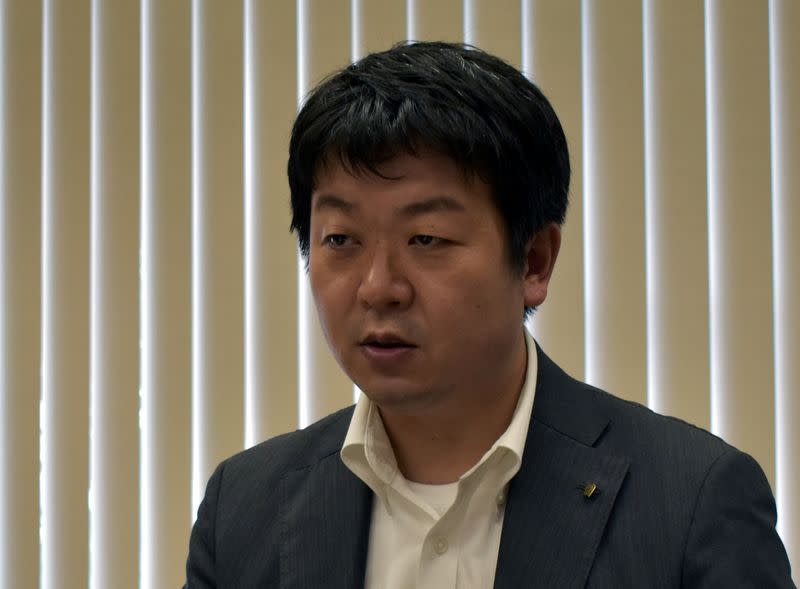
(590,490)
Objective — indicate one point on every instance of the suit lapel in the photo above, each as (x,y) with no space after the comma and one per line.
(551,531)
(325,527)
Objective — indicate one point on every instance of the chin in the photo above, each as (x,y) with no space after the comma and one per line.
(395,396)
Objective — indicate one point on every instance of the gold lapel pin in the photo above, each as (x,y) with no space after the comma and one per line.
(590,490)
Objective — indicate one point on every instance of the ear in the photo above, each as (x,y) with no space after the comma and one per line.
(540,259)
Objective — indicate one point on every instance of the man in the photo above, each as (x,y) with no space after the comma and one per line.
(428,186)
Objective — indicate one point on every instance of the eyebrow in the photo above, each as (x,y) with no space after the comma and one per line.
(414,209)
(329,201)
(432,205)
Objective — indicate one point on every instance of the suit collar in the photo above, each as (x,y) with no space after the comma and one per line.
(551,530)
(326,512)
(563,405)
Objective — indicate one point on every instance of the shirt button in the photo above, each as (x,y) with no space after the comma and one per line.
(501,498)
(440,546)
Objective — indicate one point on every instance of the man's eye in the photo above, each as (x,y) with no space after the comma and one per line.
(425,240)
(336,240)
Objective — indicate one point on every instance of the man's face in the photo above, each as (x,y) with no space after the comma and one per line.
(412,282)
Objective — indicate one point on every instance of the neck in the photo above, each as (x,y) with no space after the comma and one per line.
(438,445)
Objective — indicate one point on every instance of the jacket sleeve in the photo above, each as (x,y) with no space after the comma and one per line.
(201,570)
(732,541)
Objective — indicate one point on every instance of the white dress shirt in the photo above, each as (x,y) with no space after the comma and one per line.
(436,536)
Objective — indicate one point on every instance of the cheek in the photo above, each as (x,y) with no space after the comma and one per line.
(477,286)
(321,291)
(493,299)
(333,295)
(455,303)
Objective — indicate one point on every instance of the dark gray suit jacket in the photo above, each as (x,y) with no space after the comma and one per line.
(675,506)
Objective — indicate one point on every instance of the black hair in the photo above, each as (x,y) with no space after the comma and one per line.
(453,98)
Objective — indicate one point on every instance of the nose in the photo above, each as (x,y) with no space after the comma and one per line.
(384,285)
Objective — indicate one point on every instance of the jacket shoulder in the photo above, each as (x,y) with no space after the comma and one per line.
(275,457)
(599,418)
(660,440)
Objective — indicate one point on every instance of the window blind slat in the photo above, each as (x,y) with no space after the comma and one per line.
(271,293)
(218,235)
(677,217)
(65,345)
(742,375)
(614,198)
(20,290)
(552,58)
(326,46)
(166,292)
(785,92)
(114,487)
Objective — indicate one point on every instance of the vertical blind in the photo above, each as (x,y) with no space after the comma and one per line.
(154,314)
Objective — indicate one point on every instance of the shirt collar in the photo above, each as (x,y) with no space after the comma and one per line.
(368,453)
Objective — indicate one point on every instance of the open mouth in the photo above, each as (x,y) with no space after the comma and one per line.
(387,351)
(387,345)
(385,342)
